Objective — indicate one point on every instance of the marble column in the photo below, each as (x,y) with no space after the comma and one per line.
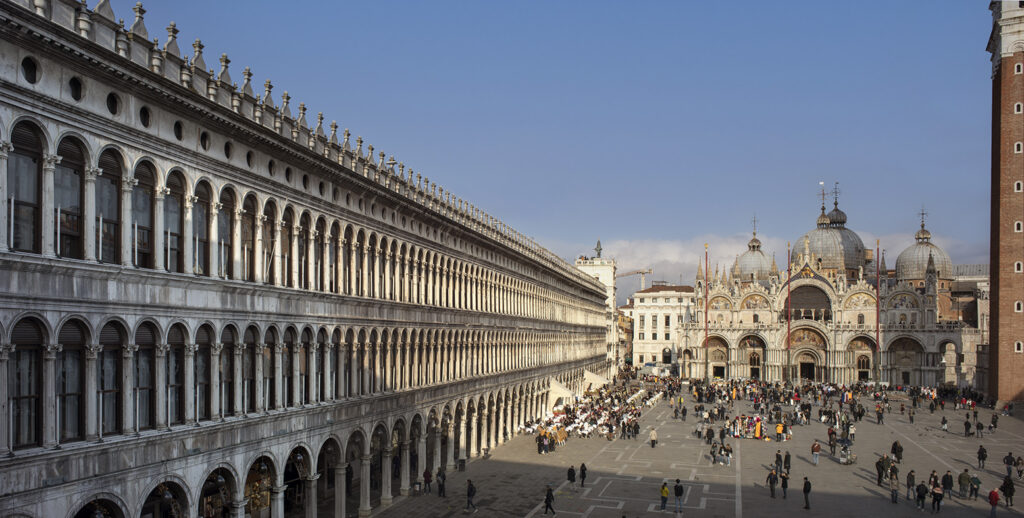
(91,403)
(276,250)
(239,383)
(88,213)
(474,437)
(127,232)
(385,478)
(214,388)
(186,235)
(294,254)
(364,290)
(277,501)
(364,486)
(159,386)
(257,253)
(5,212)
(189,388)
(128,388)
(5,357)
(212,231)
(421,457)
(278,353)
(237,272)
(158,228)
(313,372)
(339,491)
(297,387)
(450,461)
(310,503)
(312,277)
(403,487)
(47,217)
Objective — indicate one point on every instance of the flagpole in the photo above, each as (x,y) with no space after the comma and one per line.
(706,289)
(789,304)
(878,303)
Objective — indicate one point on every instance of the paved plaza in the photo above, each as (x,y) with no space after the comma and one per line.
(624,476)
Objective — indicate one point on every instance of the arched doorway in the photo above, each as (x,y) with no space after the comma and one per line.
(907,358)
(718,357)
(865,355)
(357,473)
(753,351)
(216,496)
(330,481)
(807,363)
(166,500)
(258,483)
(100,508)
(666,356)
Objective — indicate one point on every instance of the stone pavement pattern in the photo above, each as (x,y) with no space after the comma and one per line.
(624,476)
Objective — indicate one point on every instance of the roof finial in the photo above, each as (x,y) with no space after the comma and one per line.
(822,195)
(754,222)
(598,248)
(835,195)
(922,214)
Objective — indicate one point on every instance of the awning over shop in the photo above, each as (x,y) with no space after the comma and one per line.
(592,380)
(559,394)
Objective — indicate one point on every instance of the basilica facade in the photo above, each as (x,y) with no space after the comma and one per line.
(214,304)
(832,314)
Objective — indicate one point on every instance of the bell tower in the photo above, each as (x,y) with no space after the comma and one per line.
(1006,358)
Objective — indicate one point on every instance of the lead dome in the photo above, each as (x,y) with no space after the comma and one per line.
(753,264)
(912,263)
(836,246)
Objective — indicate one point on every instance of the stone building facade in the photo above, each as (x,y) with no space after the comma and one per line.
(211,305)
(1006,354)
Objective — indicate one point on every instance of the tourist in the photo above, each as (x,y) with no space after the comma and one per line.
(910,485)
(993,500)
(894,489)
(664,495)
(936,499)
(470,493)
(583,474)
(967,428)
(678,489)
(982,455)
(815,451)
(784,479)
(772,480)
(778,460)
(965,483)
(1008,490)
(426,481)
(1019,464)
(440,481)
(922,493)
(880,470)
(571,477)
(654,437)
(1009,461)
(807,493)
(787,462)
(549,499)
(975,486)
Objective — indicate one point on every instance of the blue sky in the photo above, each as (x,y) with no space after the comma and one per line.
(654,126)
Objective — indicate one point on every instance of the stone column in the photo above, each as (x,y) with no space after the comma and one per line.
(215,401)
(450,461)
(326,373)
(238,509)
(128,388)
(296,382)
(186,235)
(376,293)
(5,198)
(311,500)
(421,457)
(49,406)
(5,349)
(356,365)
(325,261)
(350,281)
(238,383)
(438,461)
(364,486)
(499,424)
(88,211)
(47,217)
(385,477)
(278,264)
(378,372)
(311,271)
(257,253)
(159,386)
(295,256)
(339,491)
(313,372)
(158,227)
(387,271)
(189,390)
(91,403)
(212,232)
(463,439)
(127,232)
(489,417)
(364,290)
(473,444)
(342,388)
(237,272)
(278,377)
(277,501)
(403,487)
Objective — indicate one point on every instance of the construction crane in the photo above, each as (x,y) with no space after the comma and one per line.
(641,273)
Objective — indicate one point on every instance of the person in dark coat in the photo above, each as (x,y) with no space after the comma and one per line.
(787,462)
(922,493)
(880,469)
(440,478)
(1007,489)
(583,474)
(982,455)
(807,493)
(784,478)
(771,481)
(549,499)
(571,477)
(947,484)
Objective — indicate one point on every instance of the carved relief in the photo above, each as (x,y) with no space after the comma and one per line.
(859,301)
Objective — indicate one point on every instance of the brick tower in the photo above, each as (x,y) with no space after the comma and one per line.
(1006,349)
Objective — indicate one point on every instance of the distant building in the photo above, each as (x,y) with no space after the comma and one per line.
(603,269)
(657,314)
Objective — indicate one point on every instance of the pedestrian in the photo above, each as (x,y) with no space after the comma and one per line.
(975,486)
(1009,461)
(815,451)
(982,455)
(549,499)
(894,489)
(936,499)
(440,478)
(947,484)
(571,477)
(426,481)
(654,437)
(897,451)
(993,500)
(910,485)
(910,414)
(967,428)
(470,493)
(772,480)
(1008,490)
(784,479)
(853,432)
(880,470)
(965,482)
(1020,467)
(807,493)
(678,489)
(583,474)
(664,495)
(778,460)
(787,462)
(922,493)
(945,424)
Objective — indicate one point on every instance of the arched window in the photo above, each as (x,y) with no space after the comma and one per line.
(25,379)
(269,246)
(249,238)
(863,363)
(201,230)
(286,368)
(755,360)
(70,372)
(176,375)
(201,370)
(145,370)
(225,226)
(249,382)
(108,378)
(756,318)
(271,392)
(24,179)
(286,248)
(142,216)
(227,372)
(174,223)
(305,362)
(108,208)
(860,318)
(67,194)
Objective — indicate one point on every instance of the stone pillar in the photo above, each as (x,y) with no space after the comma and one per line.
(363,271)
(438,462)
(364,486)
(463,439)
(238,509)
(5,349)
(294,254)
(313,372)
(367,352)
(325,262)
(376,293)
(385,477)
(257,252)
(213,233)
(215,401)
(339,491)
(277,501)
(406,279)
(403,487)
(158,227)
(499,425)
(296,381)
(351,277)
(311,271)
(342,387)
(127,232)
(189,390)
(421,457)
(49,406)
(237,272)
(278,265)
(239,383)
(489,416)
(473,442)
(159,386)
(128,388)
(88,210)
(450,461)
(388,271)
(326,373)
(186,235)
(47,217)
(90,394)
(278,377)
(311,500)
(356,365)
(5,212)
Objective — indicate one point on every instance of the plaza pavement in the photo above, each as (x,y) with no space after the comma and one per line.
(624,476)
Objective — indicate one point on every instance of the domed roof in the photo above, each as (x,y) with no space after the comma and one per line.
(833,243)
(753,264)
(912,263)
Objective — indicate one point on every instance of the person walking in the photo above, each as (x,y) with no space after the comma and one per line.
(440,478)
(965,482)
(1008,461)
(945,424)
(654,437)
(922,493)
(470,493)
(778,461)
(982,455)
(664,495)
(787,462)
(583,474)
(1008,490)
(784,482)
(936,499)
(815,451)
(549,500)
(807,493)
(880,470)
(910,485)
(967,428)
(772,481)
(993,500)
(975,486)
(947,484)
(426,481)
(678,489)
(894,489)
(571,477)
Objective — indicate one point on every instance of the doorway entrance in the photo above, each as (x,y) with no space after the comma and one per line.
(718,371)
(807,370)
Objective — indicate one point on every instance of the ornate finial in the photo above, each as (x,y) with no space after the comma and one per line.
(267,87)
(401,170)
(198,62)
(369,153)
(138,27)
(380,163)
(359,146)
(247,84)
(598,248)
(171,45)
(224,77)
(822,195)
(391,164)
(835,195)
(754,223)
(334,132)
(344,143)
(922,214)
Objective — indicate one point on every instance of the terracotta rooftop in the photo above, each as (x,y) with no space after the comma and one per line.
(667,288)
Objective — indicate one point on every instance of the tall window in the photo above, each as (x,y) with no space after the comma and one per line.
(249,382)
(67,193)
(24,176)
(201,230)
(174,223)
(286,368)
(225,224)
(286,248)
(108,208)
(201,374)
(71,381)
(249,238)
(227,372)
(142,216)
(25,383)
(270,356)
(176,376)
(108,378)
(145,395)
(269,246)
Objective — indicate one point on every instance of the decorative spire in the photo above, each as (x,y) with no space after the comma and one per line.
(268,101)
(344,144)
(171,45)
(700,271)
(224,77)
(138,27)
(334,132)
(247,84)
(598,248)
(923,235)
(198,63)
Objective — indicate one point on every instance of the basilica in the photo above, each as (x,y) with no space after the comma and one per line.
(836,313)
